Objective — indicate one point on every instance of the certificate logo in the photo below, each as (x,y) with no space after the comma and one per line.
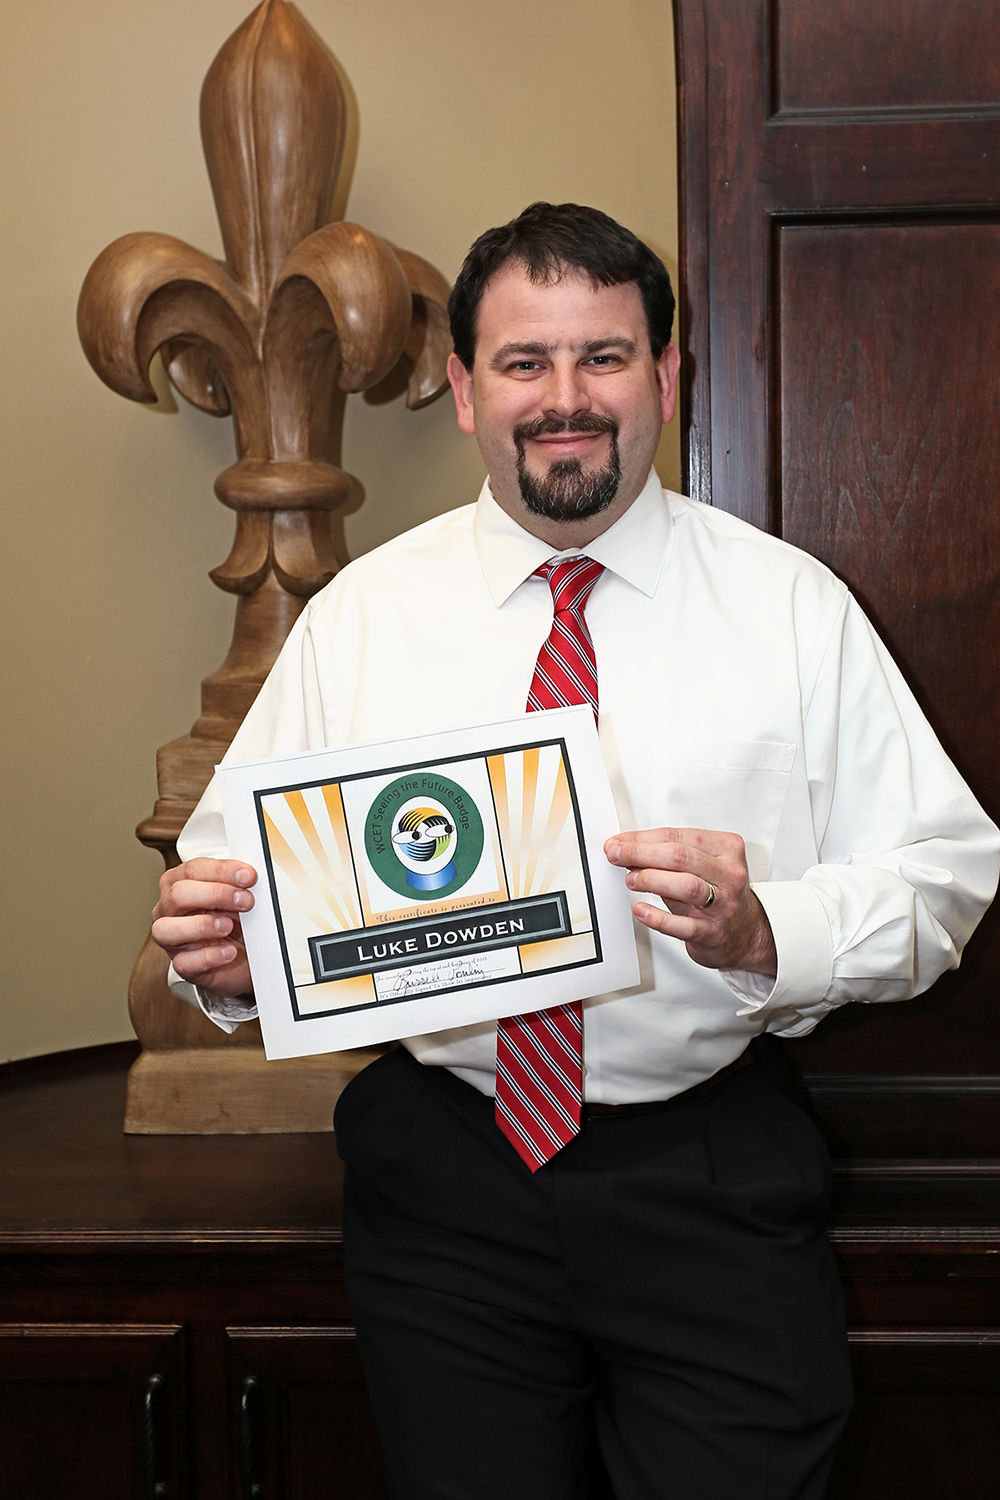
(424,840)
(424,836)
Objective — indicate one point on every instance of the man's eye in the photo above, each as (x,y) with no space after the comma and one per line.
(603,360)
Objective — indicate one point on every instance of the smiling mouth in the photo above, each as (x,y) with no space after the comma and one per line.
(563,429)
(565,439)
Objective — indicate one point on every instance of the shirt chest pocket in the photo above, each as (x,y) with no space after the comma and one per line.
(732,786)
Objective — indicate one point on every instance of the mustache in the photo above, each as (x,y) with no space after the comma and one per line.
(547,426)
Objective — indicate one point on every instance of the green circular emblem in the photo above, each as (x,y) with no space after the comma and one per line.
(424,836)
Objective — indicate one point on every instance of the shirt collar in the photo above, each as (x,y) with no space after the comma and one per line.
(634,547)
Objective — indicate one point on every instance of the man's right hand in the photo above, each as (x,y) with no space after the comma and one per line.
(197,922)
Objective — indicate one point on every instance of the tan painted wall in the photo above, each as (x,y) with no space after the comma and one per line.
(469,109)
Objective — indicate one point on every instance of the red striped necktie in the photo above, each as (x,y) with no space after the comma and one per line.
(540,1057)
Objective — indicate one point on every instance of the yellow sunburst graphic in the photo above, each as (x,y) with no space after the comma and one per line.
(537,827)
(311,853)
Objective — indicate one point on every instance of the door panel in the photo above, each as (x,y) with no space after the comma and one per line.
(302,1422)
(896,54)
(93,1412)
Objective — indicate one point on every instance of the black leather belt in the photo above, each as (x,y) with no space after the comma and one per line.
(699,1090)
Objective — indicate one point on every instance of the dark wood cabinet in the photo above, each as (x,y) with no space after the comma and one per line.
(927,1415)
(173,1323)
(174,1326)
(921,1278)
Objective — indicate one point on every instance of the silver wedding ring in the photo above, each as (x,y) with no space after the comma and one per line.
(711,896)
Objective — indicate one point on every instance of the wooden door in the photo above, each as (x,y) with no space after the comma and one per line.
(840,323)
(841,327)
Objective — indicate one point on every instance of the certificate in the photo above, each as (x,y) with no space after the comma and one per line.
(417,885)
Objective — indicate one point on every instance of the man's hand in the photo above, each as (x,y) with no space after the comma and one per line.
(683,866)
(197,922)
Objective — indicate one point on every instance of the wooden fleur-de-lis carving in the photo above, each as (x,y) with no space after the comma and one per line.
(300,309)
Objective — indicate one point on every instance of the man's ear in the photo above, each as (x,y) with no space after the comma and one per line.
(667,369)
(461,385)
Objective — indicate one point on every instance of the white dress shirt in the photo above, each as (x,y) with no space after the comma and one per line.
(741,688)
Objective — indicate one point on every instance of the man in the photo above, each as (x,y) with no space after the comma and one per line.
(657,1282)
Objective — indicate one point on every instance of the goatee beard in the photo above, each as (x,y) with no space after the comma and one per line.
(566,493)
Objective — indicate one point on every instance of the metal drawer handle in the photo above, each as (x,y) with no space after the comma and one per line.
(250,1438)
(153,1424)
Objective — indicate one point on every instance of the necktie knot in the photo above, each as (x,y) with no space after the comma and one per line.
(571,582)
(566,669)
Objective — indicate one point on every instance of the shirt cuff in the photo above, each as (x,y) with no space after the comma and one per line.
(804,946)
(226,1011)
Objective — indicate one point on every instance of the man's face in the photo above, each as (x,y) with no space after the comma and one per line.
(565,400)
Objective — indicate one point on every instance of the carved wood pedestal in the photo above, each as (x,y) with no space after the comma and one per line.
(172,1312)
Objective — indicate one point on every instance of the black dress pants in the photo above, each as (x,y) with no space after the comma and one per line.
(662,1291)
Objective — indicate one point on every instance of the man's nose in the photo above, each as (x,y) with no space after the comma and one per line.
(566,391)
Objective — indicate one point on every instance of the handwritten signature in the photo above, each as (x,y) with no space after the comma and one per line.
(437,976)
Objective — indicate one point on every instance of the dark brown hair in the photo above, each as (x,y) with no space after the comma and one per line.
(548,239)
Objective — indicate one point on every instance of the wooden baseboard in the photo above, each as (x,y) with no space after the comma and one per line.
(213,1091)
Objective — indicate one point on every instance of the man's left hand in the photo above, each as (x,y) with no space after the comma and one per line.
(684,866)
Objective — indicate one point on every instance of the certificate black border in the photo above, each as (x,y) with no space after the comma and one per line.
(402,770)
